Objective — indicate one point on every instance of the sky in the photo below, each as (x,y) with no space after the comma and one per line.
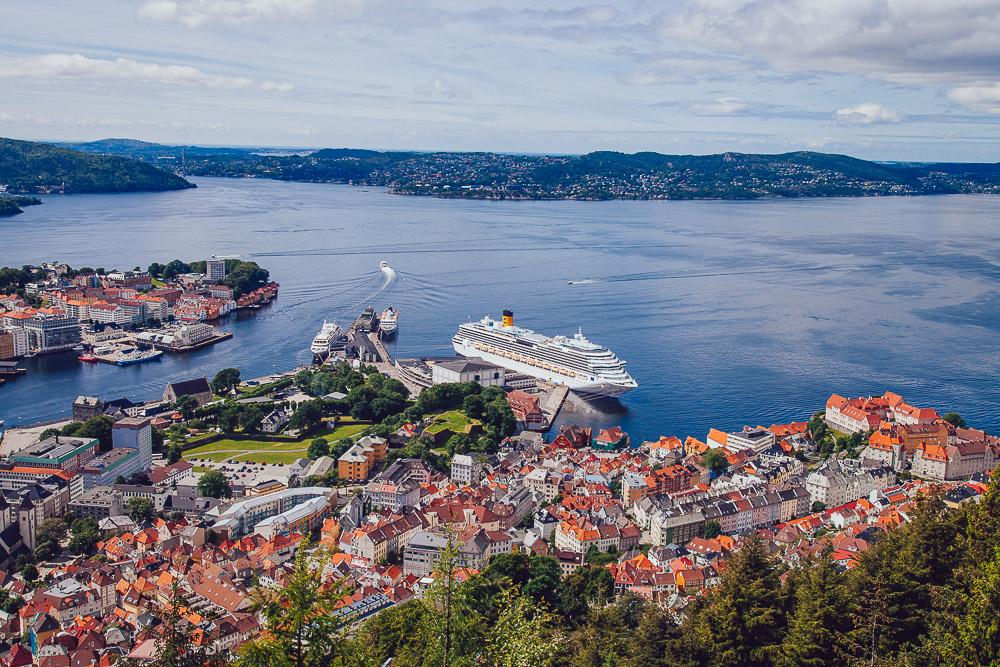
(877,79)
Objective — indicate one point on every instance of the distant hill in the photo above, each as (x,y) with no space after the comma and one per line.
(594,176)
(31,167)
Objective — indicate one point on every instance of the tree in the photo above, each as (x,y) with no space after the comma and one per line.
(29,572)
(251,416)
(229,417)
(521,636)
(473,406)
(317,448)
(225,381)
(173,454)
(742,621)
(301,627)
(716,462)
(214,484)
(817,506)
(177,646)
(975,633)
(140,510)
(97,427)
(85,536)
(954,419)
(821,616)
(186,405)
(711,530)
(307,415)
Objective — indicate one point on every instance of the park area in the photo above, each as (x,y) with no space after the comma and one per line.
(239,450)
(453,421)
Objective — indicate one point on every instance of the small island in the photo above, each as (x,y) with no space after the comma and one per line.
(11,205)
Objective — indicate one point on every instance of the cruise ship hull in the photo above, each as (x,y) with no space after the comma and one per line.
(575,384)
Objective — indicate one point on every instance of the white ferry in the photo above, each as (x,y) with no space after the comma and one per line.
(576,362)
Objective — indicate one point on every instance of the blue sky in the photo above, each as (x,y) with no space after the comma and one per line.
(879,79)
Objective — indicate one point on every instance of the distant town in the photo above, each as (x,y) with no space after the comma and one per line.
(117,516)
(122,317)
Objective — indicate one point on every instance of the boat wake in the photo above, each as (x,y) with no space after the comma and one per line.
(389,273)
(585,281)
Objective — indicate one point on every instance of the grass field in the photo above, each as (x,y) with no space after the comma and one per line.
(452,420)
(262,451)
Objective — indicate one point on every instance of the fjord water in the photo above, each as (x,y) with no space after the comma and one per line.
(729,313)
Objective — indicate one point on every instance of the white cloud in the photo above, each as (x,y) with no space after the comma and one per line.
(441,88)
(194,13)
(663,68)
(907,41)
(867,113)
(981,98)
(76,65)
(722,107)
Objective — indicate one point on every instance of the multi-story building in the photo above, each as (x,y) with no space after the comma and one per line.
(526,409)
(397,486)
(357,462)
(215,270)
(16,477)
(104,469)
(136,280)
(135,433)
(241,518)
(840,481)
(13,343)
(28,507)
(59,452)
(422,552)
(465,469)
(97,503)
(52,332)
(959,460)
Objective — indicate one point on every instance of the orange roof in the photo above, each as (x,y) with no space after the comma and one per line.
(718,436)
(31,470)
(836,401)
(934,452)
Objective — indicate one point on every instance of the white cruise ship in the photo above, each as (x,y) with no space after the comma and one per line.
(576,362)
(325,339)
(387,321)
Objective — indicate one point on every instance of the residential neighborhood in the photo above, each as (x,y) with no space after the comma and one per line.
(101,534)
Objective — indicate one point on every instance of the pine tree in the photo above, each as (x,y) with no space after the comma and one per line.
(742,622)
(301,627)
(820,616)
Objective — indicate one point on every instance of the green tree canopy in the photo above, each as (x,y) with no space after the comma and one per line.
(214,484)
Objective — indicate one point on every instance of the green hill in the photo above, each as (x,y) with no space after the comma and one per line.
(31,167)
(599,175)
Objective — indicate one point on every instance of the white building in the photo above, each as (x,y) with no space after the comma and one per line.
(465,469)
(842,481)
(468,370)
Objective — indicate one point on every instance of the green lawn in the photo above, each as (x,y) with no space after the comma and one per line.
(270,457)
(263,451)
(452,420)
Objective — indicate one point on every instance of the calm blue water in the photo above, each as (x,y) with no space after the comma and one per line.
(728,312)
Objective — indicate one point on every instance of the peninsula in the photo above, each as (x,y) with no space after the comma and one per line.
(28,167)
